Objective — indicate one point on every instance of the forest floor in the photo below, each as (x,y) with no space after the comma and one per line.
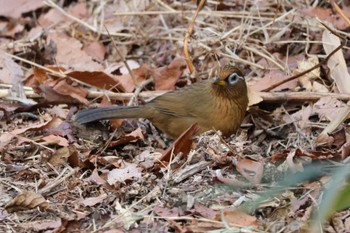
(283,171)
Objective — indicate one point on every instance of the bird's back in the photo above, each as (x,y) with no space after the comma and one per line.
(197,103)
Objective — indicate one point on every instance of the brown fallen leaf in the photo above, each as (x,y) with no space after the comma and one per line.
(6,137)
(56,89)
(91,201)
(204,211)
(54,139)
(203,227)
(272,77)
(166,212)
(41,75)
(27,200)
(134,135)
(54,122)
(328,15)
(182,144)
(60,157)
(96,50)
(14,9)
(66,89)
(166,77)
(142,73)
(42,225)
(251,170)
(237,217)
(98,79)
(70,53)
(95,178)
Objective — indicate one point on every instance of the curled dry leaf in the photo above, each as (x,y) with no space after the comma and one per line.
(147,159)
(340,74)
(275,75)
(60,157)
(128,217)
(231,180)
(237,217)
(6,137)
(182,144)
(27,200)
(54,16)
(306,80)
(56,89)
(336,63)
(65,89)
(134,135)
(53,123)
(251,170)
(41,76)
(54,139)
(166,77)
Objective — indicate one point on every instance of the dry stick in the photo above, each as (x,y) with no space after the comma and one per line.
(341,13)
(138,86)
(57,181)
(269,97)
(229,14)
(187,35)
(306,71)
(343,39)
(122,57)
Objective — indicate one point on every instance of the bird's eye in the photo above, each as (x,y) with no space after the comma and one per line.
(233,78)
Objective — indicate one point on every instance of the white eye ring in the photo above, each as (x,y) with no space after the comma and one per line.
(233,78)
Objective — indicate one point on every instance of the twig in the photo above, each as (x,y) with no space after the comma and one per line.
(123,58)
(58,180)
(187,36)
(341,13)
(269,97)
(138,90)
(305,71)
(343,39)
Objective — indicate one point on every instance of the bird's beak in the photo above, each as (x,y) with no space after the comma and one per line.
(219,81)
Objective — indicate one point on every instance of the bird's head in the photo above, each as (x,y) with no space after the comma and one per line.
(229,80)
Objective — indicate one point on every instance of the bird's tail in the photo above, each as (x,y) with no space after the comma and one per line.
(104,113)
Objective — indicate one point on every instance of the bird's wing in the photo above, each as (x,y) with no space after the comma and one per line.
(185,102)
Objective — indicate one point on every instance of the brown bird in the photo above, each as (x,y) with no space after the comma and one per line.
(218,103)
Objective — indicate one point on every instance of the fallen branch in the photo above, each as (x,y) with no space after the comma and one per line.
(269,97)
